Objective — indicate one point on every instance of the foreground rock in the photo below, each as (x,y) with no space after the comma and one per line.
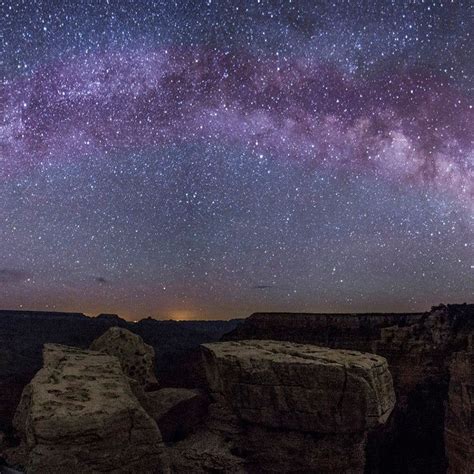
(177,411)
(418,348)
(136,357)
(214,447)
(299,407)
(23,334)
(301,387)
(79,415)
(459,430)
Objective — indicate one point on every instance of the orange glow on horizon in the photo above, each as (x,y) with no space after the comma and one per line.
(182,315)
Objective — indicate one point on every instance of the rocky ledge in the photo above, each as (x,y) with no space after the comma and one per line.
(418,348)
(267,406)
(301,387)
(285,407)
(459,428)
(79,415)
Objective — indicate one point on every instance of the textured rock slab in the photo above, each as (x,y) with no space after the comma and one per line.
(459,428)
(79,415)
(301,387)
(177,411)
(295,452)
(205,452)
(136,357)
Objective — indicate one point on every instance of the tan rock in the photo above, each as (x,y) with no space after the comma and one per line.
(301,387)
(79,415)
(136,357)
(205,452)
(270,451)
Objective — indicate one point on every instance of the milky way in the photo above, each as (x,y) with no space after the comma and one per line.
(211,159)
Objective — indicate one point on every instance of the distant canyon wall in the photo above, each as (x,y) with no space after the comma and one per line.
(420,349)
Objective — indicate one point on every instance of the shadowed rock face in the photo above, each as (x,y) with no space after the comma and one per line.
(79,415)
(136,358)
(459,429)
(418,348)
(293,398)
(177,411)
(340,331)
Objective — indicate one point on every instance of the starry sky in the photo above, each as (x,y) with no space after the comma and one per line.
(207,159)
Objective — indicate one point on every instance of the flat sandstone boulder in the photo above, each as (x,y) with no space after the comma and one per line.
(79,415)
(301,387)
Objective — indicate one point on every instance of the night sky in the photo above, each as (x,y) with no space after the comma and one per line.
(197,159)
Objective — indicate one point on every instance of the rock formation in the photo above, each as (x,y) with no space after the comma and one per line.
(213,447)
(304,401)
(280,406)
(177,411)
(136,358)
(295,407)
(23,334)
(459,428)
(301,387)
(419,355)
(418,348)
(79,415)
(339,331)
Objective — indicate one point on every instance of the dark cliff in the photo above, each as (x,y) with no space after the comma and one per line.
(429,355)
(343,331)
(419,348)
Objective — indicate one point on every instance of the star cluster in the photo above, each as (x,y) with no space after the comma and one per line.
(209,159)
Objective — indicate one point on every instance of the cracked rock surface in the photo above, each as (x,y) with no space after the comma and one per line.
(79,415)
(459,428)
(136,357)
(301,387)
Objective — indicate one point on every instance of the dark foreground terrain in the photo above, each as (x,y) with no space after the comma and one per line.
(430,357)
(23,334)
(322,393)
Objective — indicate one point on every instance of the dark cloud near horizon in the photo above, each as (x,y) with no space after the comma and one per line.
(268,287)
(13,275)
